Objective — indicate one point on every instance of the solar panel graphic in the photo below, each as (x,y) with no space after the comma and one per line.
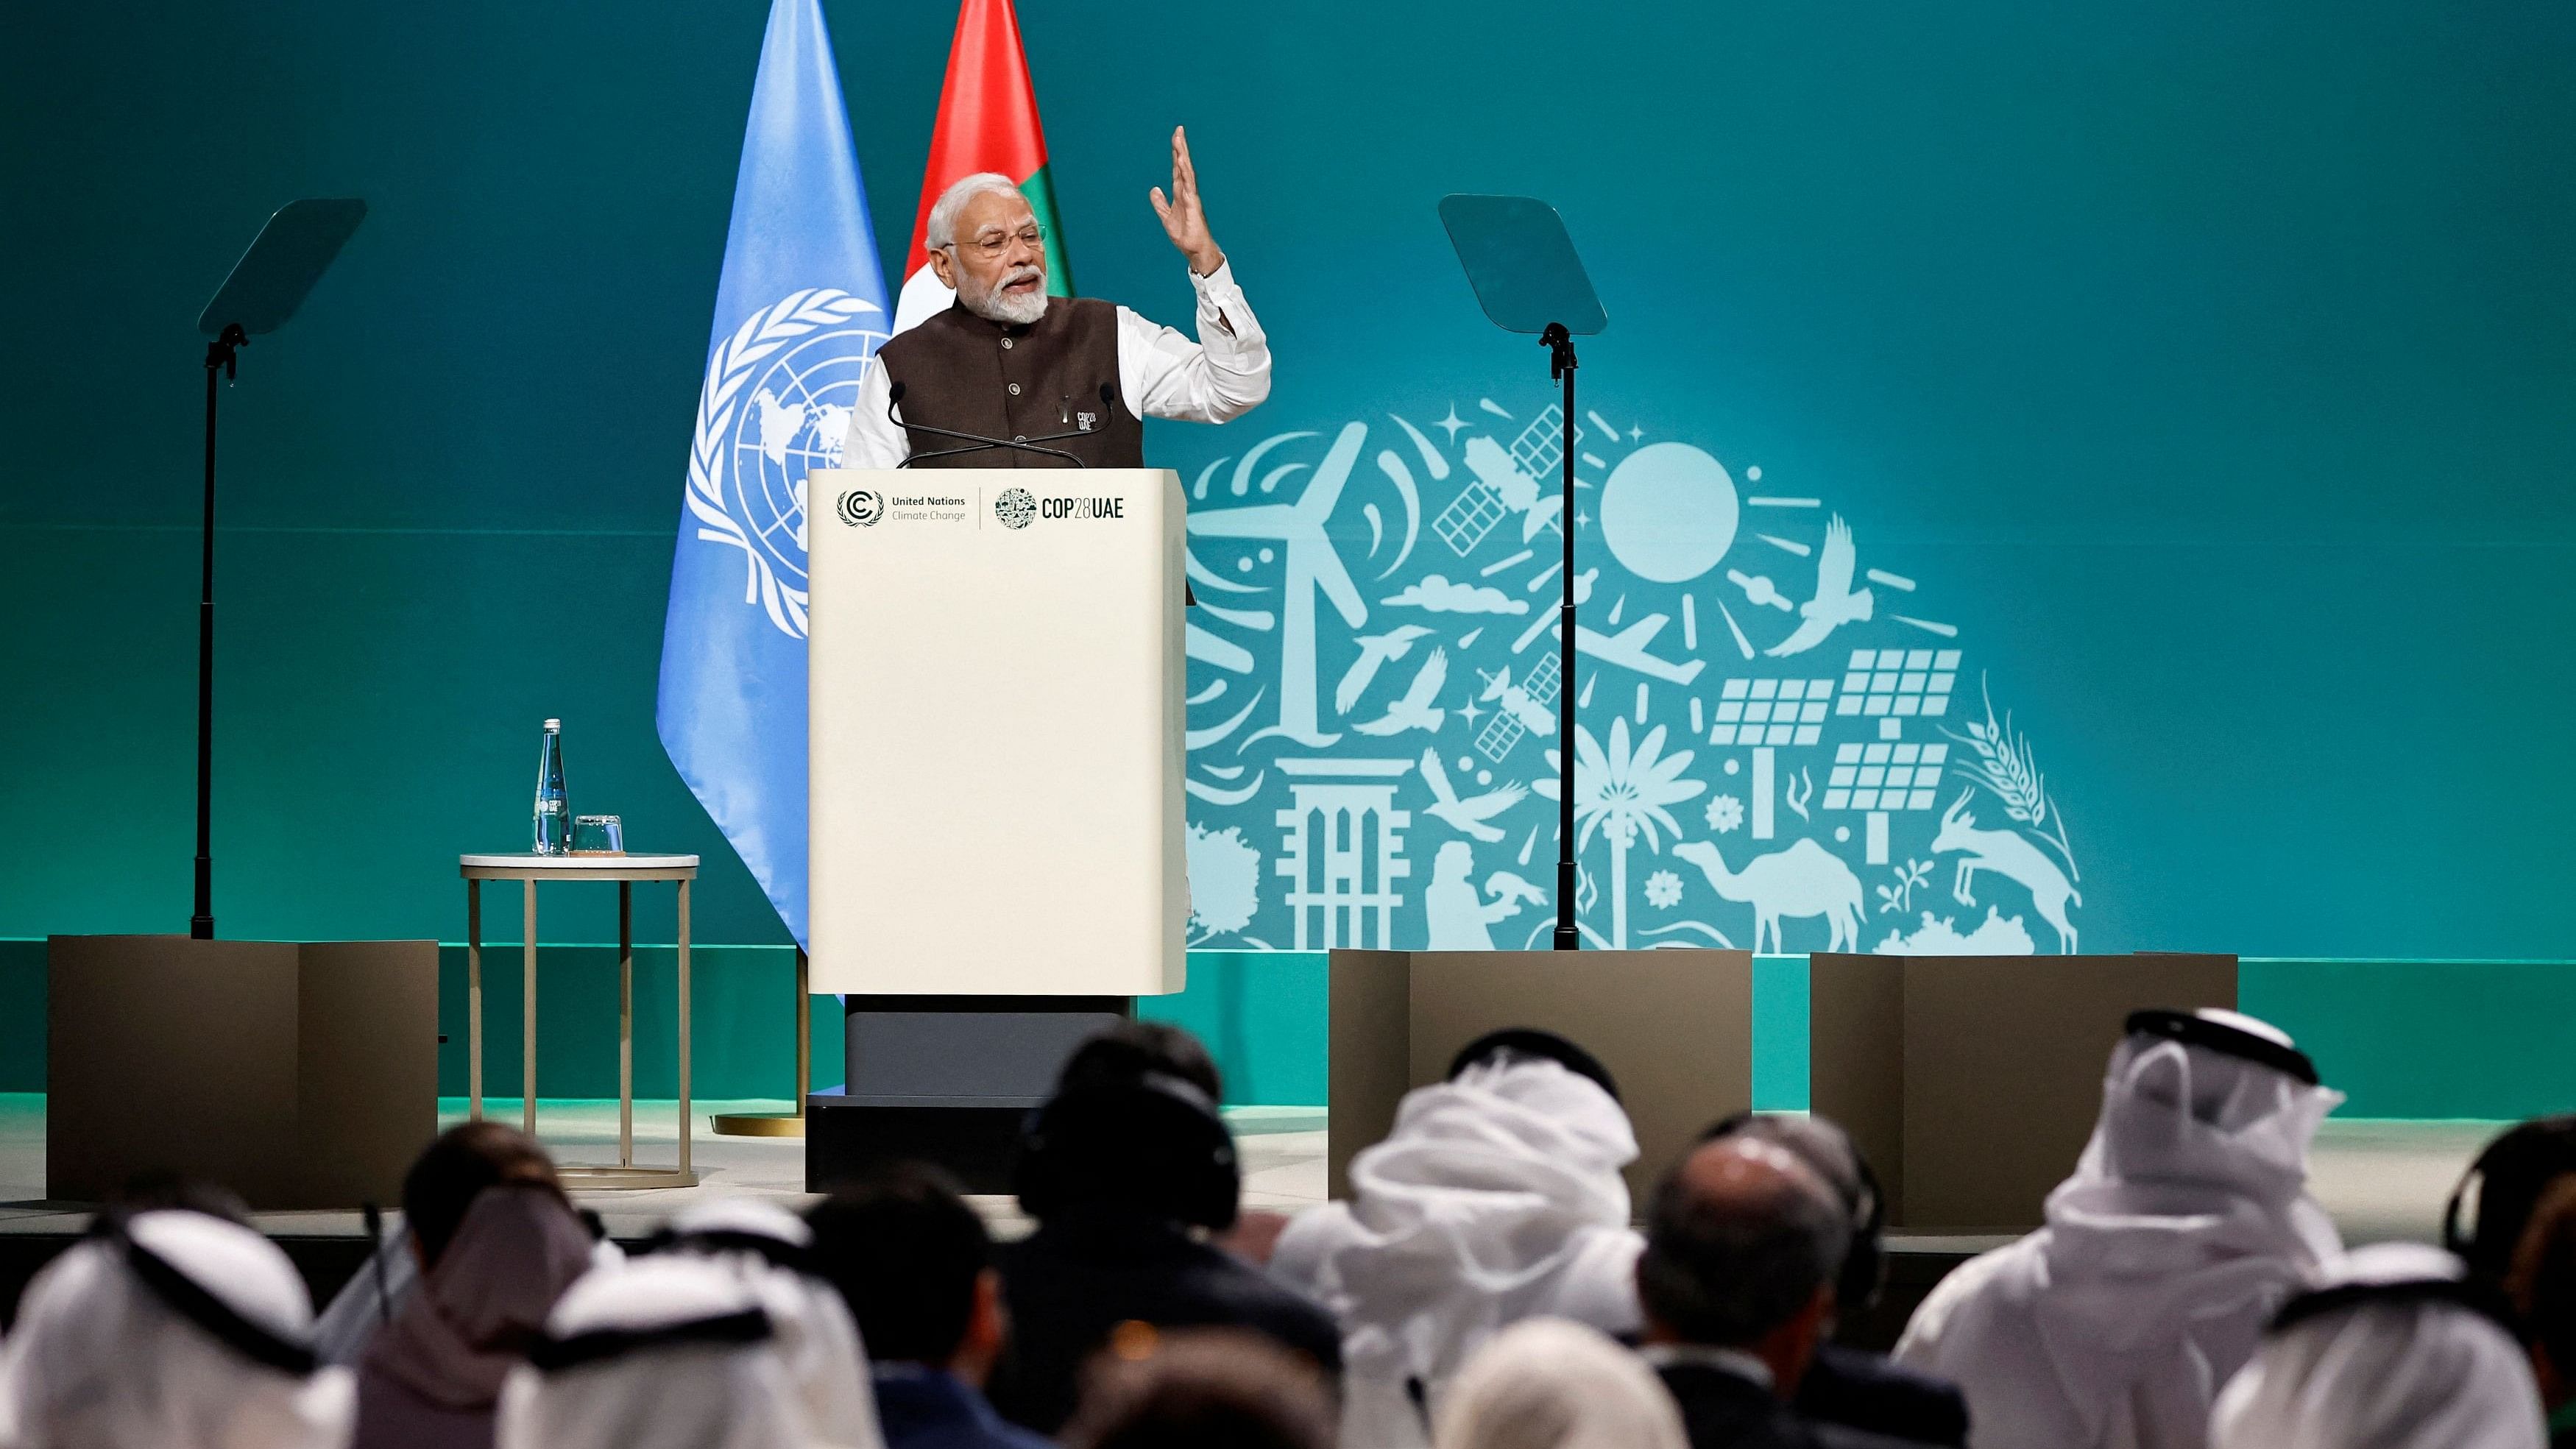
(1771,711)
(1885,776)
(1899,683)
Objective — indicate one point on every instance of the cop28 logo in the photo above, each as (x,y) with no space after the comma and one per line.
(1015,507)
(776,405)
(861,507)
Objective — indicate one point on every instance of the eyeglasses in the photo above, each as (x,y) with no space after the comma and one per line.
(1032,235)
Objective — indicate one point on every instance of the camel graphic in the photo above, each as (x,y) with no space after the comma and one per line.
(1804,880)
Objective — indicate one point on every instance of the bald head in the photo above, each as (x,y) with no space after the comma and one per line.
(1744,1240)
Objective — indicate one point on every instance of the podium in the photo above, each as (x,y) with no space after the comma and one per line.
(995,738)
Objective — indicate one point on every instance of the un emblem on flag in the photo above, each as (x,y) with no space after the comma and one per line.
(776,405)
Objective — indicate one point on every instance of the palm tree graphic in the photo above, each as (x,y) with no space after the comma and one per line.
(1622,793)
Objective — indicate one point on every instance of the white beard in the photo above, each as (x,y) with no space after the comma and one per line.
(996,305)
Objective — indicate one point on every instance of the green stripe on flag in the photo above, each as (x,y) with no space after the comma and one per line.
(1040,190)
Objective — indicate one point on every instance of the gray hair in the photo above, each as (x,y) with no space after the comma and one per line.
(1727,1270)
(941,231)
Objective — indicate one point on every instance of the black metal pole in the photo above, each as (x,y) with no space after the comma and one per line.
(201,925)
(1560,366)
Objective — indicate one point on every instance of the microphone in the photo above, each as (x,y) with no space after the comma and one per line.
(977,442)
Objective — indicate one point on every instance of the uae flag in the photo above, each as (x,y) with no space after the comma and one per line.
(988,121)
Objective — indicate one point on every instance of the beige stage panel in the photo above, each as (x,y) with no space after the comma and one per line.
(1856,1058)
(996,697)
(2000,1068)
(298,1075)
(1674,1027)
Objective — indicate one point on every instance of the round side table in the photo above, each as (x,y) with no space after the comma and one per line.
(625,870)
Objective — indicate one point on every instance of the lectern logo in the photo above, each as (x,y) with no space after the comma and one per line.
(1015,507)
(861,507)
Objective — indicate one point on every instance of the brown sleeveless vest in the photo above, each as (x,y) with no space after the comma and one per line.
(969,375)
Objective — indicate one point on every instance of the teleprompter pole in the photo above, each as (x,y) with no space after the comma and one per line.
(221,357)
(1560,365)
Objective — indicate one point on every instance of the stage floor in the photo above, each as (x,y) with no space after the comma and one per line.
(2380,1179)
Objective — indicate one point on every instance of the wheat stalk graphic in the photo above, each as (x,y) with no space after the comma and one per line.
(2005,767)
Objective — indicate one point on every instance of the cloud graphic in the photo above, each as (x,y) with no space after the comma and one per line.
(1440,596)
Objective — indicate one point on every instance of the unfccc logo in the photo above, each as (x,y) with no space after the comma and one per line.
(861,507)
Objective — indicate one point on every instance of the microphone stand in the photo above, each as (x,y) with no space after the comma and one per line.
(1560,366)
(978,442)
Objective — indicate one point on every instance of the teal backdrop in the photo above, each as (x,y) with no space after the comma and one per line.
(2211,374)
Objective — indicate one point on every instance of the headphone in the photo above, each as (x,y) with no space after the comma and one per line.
(2509,1177)
(1858,1283)
(1152,1141)
(1529,1041)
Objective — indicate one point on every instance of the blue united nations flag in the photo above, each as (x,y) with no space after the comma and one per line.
(799,314)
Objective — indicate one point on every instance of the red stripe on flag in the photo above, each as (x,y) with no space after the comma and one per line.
(988,112)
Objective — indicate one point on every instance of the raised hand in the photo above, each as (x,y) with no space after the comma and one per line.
(1184,219)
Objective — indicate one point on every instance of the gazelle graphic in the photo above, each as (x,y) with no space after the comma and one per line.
(2010,854)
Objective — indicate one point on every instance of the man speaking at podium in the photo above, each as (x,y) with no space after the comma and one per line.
(1068,375)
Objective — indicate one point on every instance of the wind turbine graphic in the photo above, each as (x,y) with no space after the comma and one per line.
(1312,565)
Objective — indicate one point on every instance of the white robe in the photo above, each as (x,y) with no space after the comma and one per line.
(1496,1198)
(2385,1375)
(2186,1225)
(97,1359)
(674,1396)
(818,1338)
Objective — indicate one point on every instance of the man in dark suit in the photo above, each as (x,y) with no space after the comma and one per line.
(1846,1385)
(1130,1171)
(1737,1282)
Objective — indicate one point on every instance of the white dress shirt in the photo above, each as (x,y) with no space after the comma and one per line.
(1161,374)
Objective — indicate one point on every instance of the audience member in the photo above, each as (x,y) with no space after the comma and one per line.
(2543,1288)
(2396,1349)
(916,1267)
(1737,1282)
(1846,1385)
(1552,1383)
(1497,1197)
(2505,1186)
(431,1378)
(169,1329)
(664,1352)
(770,1248)
(1125,1169)
(1201,1389)
(2184,1228)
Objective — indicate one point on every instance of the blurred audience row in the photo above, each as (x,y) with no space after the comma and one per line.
(1484,1286)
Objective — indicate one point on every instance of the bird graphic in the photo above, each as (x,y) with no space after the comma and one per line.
(1835,604)
(1415,711)
(1468,815)
(1375,649)
(1502,885)
(1760,590)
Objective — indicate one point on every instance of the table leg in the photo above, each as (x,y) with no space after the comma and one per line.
(684,1026)
(626,1023)
(528,1008)
(474,999)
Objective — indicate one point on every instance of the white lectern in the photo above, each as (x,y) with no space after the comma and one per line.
(995,751)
